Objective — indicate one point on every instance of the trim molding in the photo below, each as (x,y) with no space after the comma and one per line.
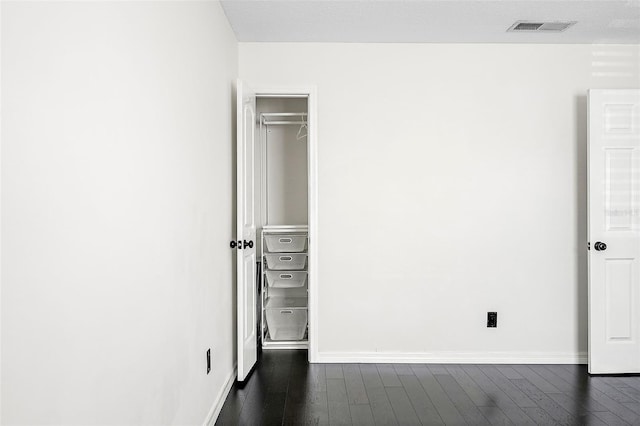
(453,357)
(214,412)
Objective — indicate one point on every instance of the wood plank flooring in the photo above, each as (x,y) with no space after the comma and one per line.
(286,390)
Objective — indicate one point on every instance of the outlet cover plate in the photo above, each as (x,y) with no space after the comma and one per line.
(492,319)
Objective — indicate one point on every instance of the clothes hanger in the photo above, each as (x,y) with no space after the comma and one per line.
(301,136)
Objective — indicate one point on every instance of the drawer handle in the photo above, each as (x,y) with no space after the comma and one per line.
(286,312)
(285,240)
(286,258)
(286,276)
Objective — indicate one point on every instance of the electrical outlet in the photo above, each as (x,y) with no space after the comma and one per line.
(492,319)
(208,360)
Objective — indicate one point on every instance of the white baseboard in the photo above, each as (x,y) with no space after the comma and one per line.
(214,412)
(452,357)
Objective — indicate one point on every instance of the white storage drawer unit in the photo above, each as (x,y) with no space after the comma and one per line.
(286,279)
(286,243)
(285,286)
(288,261)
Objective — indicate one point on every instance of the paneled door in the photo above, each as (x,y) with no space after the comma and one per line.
(247,336)
(614,231)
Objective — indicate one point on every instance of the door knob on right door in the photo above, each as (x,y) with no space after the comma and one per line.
(600,246)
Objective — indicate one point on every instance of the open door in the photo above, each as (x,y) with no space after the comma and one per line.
(614,231)
(247,335)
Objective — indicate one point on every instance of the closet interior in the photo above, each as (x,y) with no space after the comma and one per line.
(282,129)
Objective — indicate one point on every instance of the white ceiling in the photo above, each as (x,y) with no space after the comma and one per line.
(428,21)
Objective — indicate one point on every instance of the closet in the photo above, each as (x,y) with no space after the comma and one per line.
(283,280)
(276,221)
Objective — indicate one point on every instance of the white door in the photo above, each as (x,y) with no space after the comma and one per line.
(247,336)
(614,231)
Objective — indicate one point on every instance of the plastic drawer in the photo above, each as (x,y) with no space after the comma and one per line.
(288,279)
(287,323)
(284,262)
(285,243)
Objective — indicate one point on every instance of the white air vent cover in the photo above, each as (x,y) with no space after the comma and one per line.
(530,26)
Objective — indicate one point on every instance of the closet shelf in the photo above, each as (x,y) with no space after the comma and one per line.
(267,118)
(294,229)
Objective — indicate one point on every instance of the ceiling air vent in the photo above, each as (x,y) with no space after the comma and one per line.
(538,27)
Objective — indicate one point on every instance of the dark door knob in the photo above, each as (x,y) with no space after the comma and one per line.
(235,244)
(599,246)
(248,244)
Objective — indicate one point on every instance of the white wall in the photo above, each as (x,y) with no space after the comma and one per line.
(451,183)
(117,199)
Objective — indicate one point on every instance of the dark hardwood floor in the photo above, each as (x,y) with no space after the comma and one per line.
(285,390)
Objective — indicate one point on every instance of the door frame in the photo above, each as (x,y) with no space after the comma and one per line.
(310,92)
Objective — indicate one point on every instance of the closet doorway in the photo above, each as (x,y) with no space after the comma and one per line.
(276,236)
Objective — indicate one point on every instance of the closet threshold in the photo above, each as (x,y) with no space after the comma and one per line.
(284,344)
